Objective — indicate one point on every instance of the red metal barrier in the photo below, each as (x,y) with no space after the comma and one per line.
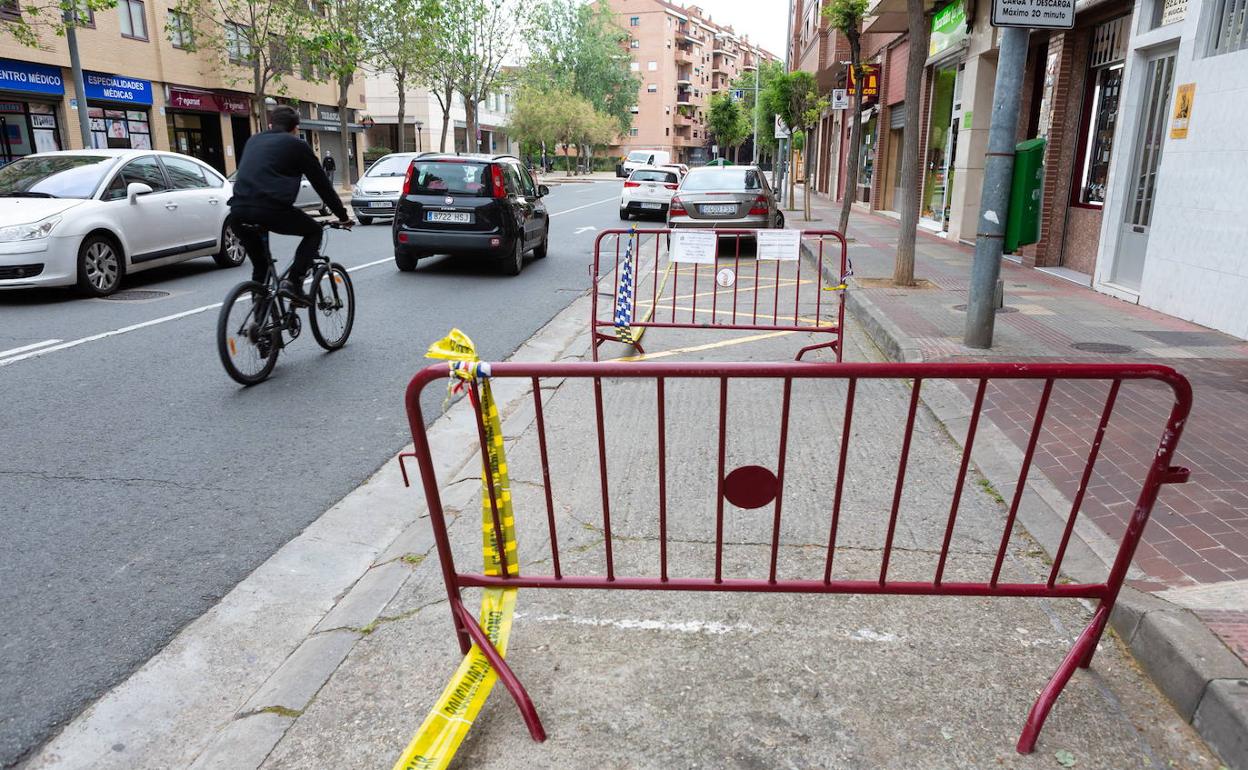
(762,297)
(753,486)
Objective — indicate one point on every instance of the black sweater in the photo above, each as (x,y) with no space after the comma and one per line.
(268,176)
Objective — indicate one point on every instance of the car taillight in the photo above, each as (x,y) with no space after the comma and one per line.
(407,179)
(677,208)
(760,205)
(496,176)
(632,184)
(671,185)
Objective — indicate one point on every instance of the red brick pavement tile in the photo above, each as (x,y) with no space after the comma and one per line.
(1231,626)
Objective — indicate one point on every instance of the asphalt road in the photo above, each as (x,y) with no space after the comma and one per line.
(140,484)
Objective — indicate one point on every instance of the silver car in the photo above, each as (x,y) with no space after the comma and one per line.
(377,193)
(725,197)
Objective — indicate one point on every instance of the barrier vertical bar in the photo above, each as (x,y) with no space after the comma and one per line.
(775,302)
(719,482)
(662,479)
(840,477)
(693,311)
(736,284)
(500,544)
(957,487)
(1021,486)
(818,284)
(550,503)
(1083,481)
(901,479)
(784,443)
(602,476)
(757,289)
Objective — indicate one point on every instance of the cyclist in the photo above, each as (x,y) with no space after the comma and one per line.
(265,189)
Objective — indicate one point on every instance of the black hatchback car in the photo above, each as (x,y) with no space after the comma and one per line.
(473,205)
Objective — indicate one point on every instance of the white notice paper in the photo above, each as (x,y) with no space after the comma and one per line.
(782,245)
(695,247)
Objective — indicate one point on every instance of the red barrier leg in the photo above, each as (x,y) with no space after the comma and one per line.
(1080,651)
(809,348)
(518,694)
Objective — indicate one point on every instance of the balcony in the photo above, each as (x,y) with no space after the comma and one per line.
(684,55)
(681,121)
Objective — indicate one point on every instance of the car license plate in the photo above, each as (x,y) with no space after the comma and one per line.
(457,217)
(648,205)
(379,204)
(718,208)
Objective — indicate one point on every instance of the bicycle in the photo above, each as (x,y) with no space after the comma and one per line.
(257,321)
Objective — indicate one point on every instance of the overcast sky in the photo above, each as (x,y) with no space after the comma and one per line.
(765,21)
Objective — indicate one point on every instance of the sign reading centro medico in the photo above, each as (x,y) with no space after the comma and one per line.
(1034,14)
(30,77)
(114,88)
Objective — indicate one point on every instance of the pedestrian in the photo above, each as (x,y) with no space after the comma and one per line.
(329,165)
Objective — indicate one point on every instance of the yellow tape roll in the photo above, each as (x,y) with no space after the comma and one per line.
(444,729)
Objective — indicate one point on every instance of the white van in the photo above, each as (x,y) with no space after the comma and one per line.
(638,158)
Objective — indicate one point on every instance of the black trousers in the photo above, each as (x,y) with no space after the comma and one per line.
(290,221)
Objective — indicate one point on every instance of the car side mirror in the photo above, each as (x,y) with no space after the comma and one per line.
(542,191)
(135,189)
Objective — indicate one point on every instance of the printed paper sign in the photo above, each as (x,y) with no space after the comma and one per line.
(695,247)
(782,245)
(1184,96)
(726,277)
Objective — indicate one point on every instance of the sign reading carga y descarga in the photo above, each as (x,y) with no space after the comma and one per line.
(1038,14)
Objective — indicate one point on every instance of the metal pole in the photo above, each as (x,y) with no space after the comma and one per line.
(994,196)
(75,63)
(758,72)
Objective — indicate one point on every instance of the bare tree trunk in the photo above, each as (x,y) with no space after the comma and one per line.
(855,135)
(344,135)
(444,101)
(400,81)
(808,183)
(471,142)
(792,172)
(903,268)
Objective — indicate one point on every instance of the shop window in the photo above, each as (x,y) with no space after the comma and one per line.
(119,129)
(180,29)
(1229,31)
(133,19)
(1100,114)
(237,43)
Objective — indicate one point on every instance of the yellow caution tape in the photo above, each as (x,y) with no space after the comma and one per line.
(439,736)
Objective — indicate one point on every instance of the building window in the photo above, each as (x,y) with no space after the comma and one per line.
(1230,27)
(133,20)
(279,56)
(634,21)
(307,68)
(632,132)
(634,43)
(236,43)
(652,88)
(667,132)
(181,33)
(1108,52)
(86,16)
(634,66)
(652,66)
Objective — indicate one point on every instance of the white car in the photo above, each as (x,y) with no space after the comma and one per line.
(86,218)
(648,190)
(377,193)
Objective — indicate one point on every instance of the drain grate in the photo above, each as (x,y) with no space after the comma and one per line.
(1005,309)
(130,295)
(1102,347)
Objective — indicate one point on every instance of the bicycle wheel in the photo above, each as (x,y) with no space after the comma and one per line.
(333,307)
(247,338)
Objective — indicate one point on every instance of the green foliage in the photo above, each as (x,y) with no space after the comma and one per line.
(799,140)
(38,18)
(845,15)
(577,48)
(728,122)
(794,96)
(558,117)
(766,74)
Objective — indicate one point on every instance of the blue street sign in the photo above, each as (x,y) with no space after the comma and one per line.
(114,88)
(30,77)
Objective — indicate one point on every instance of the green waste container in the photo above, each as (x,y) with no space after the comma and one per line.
(1022,224)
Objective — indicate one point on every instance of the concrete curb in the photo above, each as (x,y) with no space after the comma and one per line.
(1205,681)
(224,691)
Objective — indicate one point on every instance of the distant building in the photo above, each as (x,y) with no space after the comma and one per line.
(423,119)
(682,58)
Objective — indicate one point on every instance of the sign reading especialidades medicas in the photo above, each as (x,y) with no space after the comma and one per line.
(115,88)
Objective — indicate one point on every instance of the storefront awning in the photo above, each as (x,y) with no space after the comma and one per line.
(891,15)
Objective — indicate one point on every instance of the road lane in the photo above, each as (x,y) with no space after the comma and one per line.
(141,484)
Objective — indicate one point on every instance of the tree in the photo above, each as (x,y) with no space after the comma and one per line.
(37,18)
(760,111)
(340,43)
(845,16)
(919,30)
(795,98)
(728,123)
(534,118)
(251,40)
(558,117)
(476,37)
(400,39)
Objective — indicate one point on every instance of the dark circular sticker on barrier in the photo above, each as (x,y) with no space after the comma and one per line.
(751,486)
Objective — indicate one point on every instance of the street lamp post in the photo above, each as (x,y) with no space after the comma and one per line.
(419,146)
(75,63)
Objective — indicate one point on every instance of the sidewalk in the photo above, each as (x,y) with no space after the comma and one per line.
(331,654)
(1195,550)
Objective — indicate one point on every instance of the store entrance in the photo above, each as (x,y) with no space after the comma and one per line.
(942,144)
(240,130)
(198,135)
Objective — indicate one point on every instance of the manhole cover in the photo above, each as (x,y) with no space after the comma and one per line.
(1102,347)
(136,294)
(1006,309)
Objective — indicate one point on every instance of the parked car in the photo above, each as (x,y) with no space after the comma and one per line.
(377,192)
(681,167)
(648,190)
(725,197)
(638,158)
(90,217)
(485,206)
(308,199)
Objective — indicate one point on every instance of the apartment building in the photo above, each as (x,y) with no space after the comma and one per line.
(145,89)
(682,57)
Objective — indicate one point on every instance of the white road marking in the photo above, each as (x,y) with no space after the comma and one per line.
(24,348)
(587,205)
(29,351)
(580,230)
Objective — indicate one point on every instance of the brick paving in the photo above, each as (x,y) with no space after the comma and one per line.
(1198,534)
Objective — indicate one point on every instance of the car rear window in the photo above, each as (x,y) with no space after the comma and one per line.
(722,179)
(450,178)
(651,175)
(390,165)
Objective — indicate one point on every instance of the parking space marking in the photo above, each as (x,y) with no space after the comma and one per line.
(708,346)
(587,205)
(24,348)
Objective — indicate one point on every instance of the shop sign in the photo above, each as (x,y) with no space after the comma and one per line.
(948,28)
(327,113)
(193,100)
(870,84)
(30,77)
(1184,96)
(840,99)
(1034,14)
(114,88)
(234,104)
(1173,11)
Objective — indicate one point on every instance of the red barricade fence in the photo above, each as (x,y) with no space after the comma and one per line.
(656,391)
(765,295)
